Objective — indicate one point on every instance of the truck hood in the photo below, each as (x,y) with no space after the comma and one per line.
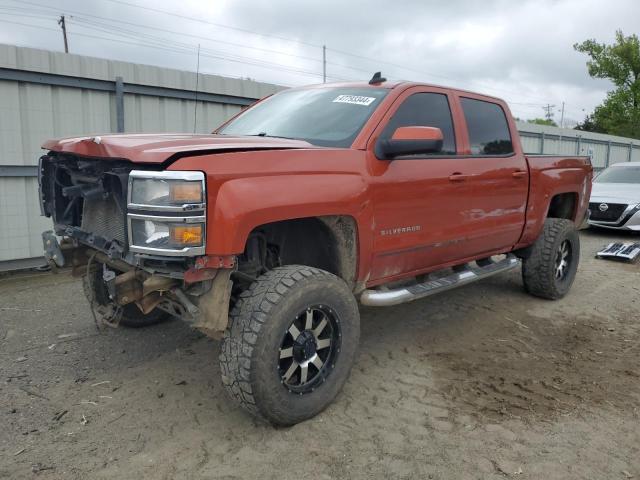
(615,192)
(158,148)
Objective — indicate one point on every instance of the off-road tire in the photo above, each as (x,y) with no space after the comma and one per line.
(96,291)
(539,268)
(257,324)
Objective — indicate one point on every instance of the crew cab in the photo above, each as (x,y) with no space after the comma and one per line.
(268,231)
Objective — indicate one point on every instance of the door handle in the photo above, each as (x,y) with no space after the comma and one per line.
(520,174)
(458,177)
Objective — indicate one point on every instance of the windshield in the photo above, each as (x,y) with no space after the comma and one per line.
(329,117)
(619,175)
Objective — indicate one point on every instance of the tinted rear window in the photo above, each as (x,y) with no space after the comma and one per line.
(488,128)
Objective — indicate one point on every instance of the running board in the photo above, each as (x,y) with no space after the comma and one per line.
(461,276)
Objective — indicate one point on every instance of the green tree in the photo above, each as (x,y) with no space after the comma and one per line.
(589,125)
(543,121)
(619,114)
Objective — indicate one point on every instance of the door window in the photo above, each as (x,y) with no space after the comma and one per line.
(425,110)
(488,128)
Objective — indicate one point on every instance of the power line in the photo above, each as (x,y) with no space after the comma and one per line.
(188,48)
(175,47)
(249,60)
(24,13)
(169,49)
(78,15)
(109,26)
(354,55)
(195,19)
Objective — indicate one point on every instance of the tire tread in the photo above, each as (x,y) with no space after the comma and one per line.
(538,269)
(246,321)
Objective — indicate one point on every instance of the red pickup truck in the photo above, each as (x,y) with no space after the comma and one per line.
(268,231)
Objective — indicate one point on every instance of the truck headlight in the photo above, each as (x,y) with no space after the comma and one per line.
(167,212)
(155,234)
(166,191)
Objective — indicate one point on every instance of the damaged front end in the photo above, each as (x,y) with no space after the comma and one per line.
(140,234)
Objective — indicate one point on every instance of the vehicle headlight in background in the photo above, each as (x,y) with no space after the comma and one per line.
(167,212)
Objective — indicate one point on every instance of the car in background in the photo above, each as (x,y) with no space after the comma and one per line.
(615,197)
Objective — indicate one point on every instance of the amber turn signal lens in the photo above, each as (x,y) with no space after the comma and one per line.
(186,192)
(187,236)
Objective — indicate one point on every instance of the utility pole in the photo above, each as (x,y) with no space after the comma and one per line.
(62,23)
(324,64)
(562,116)
(548,111)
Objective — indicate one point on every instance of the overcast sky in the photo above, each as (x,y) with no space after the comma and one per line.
(519,50)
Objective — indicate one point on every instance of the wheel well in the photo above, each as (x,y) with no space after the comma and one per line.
(563,205)
(328,243)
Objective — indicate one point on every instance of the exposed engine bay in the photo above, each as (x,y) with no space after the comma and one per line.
(93,212)
(87,200)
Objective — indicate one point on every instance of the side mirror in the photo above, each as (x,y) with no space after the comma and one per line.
(410,141)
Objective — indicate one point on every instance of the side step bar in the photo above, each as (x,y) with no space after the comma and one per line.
(461,276)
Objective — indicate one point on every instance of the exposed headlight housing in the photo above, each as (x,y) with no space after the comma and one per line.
(167,213)
(170,190)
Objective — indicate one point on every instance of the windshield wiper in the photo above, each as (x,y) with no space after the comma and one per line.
(264,134)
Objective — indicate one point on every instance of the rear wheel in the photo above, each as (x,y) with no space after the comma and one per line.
(550,269)
(95,289)
(291,343)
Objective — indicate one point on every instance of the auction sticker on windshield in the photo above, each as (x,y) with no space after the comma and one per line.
(354,99)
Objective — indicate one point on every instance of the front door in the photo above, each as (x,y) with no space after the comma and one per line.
(418,208)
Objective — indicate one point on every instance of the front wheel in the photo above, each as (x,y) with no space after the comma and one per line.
(551,267)
(291,343)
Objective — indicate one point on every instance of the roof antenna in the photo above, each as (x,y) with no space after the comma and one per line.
(377,78)
(195,108)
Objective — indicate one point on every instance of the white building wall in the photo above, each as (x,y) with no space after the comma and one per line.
(31,113)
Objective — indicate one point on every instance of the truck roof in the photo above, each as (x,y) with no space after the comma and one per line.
(399,84)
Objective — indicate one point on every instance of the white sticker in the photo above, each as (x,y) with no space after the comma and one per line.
(355,100)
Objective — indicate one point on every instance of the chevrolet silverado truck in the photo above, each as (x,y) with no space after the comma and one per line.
(269,231)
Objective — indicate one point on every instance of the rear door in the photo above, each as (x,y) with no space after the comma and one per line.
(498,173)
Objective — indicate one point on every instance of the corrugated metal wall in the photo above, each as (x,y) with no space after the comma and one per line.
(51,94)
(605,150)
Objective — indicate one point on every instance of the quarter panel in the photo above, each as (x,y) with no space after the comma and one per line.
(550,176)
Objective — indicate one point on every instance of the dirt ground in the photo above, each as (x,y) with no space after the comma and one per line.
(479,382)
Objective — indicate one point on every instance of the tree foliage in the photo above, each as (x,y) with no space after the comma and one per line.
(543,121)
(619,114)
(590,125)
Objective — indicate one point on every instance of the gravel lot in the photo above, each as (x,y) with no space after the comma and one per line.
(479,382)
